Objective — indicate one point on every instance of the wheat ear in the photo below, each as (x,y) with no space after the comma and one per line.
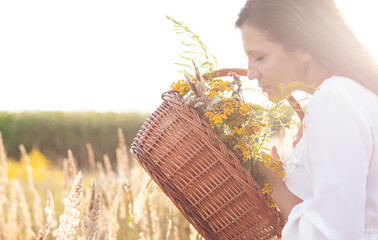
(91,220)
(155,223)
(50,213)
(69,221)
(91,156)
(103,234)
(111,179)
(123,171)
(101,172)
(113,224)
(11,216)
(24,211)
(72,164)
(122,156)
(139,203)
(66,178)
(109,171)
(37,202)
(27,163)
(42,235)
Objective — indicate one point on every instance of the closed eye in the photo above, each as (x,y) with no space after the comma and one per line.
(259,59)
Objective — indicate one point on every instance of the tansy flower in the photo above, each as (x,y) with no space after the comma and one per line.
(281,174)
(215,118)
(267,189)
(270,202)
(252,128)
(268,157)
(213,93)
(181,86)
(245,109)
(243,149)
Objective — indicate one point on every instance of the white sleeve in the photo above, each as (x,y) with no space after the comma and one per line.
(338,152)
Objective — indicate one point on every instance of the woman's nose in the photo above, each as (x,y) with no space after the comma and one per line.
(253,74)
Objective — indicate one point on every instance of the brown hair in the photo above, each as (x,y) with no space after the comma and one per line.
(318,28)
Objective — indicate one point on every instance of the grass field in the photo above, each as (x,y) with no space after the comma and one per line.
(42,201)
(39,200)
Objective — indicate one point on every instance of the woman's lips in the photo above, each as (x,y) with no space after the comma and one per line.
(264,89)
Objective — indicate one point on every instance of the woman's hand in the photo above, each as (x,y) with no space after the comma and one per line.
(265,169)
(299,135)
(284,199)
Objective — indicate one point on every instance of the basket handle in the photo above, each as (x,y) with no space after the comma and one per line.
(243,72)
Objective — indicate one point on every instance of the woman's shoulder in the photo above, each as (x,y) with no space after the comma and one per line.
(340,94)
(335,88)
(343,89)
(344,86)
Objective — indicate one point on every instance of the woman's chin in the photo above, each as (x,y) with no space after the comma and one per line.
(273,96)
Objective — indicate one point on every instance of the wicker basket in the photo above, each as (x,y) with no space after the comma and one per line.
(203,178)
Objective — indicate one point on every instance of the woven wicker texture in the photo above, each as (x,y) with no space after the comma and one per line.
(203,178)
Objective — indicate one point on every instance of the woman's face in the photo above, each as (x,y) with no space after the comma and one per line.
(277,70)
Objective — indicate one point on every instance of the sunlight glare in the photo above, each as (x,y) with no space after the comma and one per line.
(362,17)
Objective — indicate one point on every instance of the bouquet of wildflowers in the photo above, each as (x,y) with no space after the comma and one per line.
(244,127)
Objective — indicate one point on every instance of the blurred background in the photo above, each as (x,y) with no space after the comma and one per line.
(109,56)
(73,72)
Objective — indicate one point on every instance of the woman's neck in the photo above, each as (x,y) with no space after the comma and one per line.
(315,76)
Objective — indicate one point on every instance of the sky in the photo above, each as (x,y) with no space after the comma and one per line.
(119,55)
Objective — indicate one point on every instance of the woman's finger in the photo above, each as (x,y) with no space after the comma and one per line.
(275,153)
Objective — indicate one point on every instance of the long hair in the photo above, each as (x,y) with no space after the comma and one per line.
(318,28)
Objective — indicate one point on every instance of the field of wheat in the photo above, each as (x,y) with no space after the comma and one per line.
(41,201)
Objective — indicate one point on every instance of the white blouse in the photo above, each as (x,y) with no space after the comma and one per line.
(334,167)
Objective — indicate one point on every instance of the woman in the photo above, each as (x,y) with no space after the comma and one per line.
(330,189)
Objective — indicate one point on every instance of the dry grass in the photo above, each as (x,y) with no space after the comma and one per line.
(123,204)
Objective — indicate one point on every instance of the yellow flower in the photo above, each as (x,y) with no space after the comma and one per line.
(270,202)
(267,189)
(275,166)
(243,150)
(281,174)
(241,131)
(209,114)
(218,85)
(245,108)
(252,128)
(181,86)
(214,118)
(213,93)
(268,157)
(230,106)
